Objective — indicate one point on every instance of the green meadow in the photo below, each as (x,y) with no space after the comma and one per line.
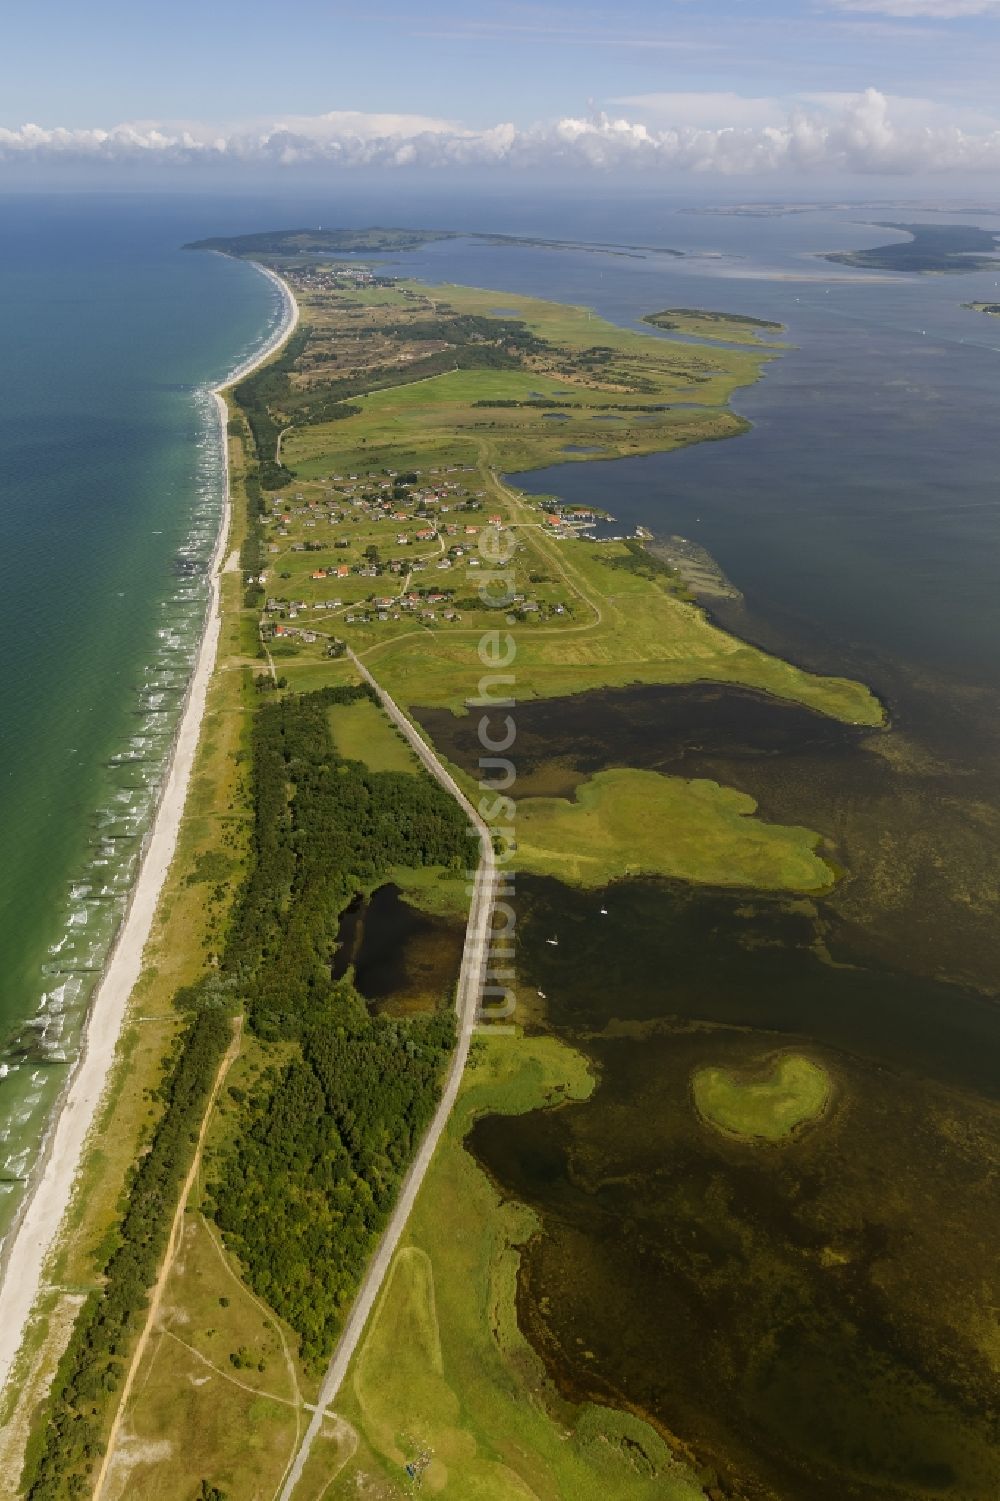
(625,822)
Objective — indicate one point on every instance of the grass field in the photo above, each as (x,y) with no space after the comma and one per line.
(361,732)
(786,1094)
(440,892)
(622,398)
(625,822)
(631,630)
(444,1377)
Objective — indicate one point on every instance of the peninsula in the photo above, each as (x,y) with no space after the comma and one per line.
(244,1205)
(930,248)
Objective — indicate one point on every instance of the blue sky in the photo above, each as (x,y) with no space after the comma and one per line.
(321,81)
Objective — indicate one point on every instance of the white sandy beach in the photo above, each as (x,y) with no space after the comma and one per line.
(49,1194)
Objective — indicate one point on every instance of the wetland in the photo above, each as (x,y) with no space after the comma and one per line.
(804,1320)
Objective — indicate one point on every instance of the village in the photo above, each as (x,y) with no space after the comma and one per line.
(373,550)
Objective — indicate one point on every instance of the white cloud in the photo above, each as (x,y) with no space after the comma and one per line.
(852,133)
(938,10)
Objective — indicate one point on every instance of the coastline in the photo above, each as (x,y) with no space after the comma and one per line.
(53,1177)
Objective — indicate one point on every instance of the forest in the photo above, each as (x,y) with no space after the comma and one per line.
(322,1147)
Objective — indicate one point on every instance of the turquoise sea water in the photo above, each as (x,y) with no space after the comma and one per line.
(111,496)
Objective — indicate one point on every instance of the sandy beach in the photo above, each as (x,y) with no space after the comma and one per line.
(50,1191)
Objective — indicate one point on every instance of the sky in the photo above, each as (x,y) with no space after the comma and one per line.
(708,92)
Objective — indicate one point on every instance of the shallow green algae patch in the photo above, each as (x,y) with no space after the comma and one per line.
(790,1092)
(444,1377)
(625,822)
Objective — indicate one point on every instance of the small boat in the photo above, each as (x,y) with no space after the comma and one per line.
(541,995)
(554,942)
(604,911)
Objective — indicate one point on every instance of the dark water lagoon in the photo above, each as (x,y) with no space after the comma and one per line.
(403,960)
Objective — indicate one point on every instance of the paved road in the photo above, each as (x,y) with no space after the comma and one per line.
(470,986)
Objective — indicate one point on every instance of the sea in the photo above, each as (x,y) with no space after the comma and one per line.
(859,519)
(111,494)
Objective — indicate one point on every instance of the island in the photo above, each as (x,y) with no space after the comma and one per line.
(291,243)
(701,323)
(991,309)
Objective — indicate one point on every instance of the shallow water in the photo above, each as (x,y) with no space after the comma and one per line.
(807,1317)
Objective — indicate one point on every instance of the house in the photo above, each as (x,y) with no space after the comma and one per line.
(343,569)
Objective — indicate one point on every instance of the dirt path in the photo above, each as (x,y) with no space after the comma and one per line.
(467,1000)
(173,1246)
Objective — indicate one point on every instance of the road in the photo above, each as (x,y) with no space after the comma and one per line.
(470,986)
